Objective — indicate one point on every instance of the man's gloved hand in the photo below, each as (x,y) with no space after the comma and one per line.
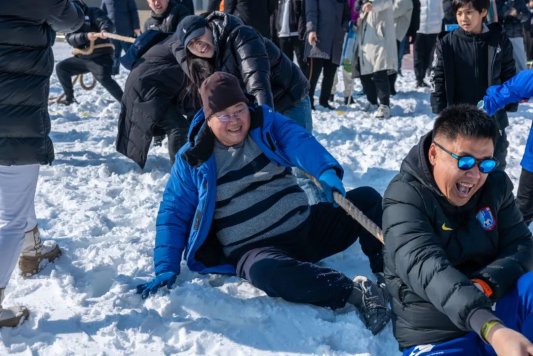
(330,182)
(162,279)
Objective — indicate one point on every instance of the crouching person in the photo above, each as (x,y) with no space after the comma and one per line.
(456,244)
(232,204)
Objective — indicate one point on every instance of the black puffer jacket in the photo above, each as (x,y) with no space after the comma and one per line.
(154,90)
(95,21)
(168,21)
(253,13)
(26,63)
(479,61)
(264,71)
(432,249)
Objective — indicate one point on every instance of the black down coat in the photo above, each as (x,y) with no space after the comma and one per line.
(95,21)
(465,65)
(153,92)
(264,71)
(168,20)
(26,63)
(433,249)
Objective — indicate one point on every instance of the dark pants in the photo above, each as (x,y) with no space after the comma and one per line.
(500,151)
(175,127)
(288,269)
(376,85)
(315,67)
(293,45)
(119,46)
(515,309)
(524,196)
(100,67)
(423,53)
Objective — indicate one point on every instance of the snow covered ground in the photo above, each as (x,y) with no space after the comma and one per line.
(100,207)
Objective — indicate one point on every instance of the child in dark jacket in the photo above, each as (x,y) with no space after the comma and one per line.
(470,59)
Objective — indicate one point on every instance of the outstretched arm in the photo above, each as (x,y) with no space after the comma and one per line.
(515,89)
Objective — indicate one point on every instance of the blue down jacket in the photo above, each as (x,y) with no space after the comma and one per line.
(512,91)
(186,211)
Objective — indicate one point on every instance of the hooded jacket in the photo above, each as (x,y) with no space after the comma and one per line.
(186,212)
(27,29)
(461,73)
(168,20)
(263,70)
(124,15)
(433,249)
(154,90)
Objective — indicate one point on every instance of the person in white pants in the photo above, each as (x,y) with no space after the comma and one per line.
(27,36)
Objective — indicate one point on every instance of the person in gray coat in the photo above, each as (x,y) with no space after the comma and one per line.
(327,20)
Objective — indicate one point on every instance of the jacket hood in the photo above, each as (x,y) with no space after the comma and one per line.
(417,164)
(495,31)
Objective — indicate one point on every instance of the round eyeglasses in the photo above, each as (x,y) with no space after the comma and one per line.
(466,162)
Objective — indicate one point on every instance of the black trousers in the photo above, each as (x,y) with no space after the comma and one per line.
(376,85)
(291,46)
(423,52)
(288,269)
(99,66)
(315,67)
(175,127)
(524,196)
(500,151)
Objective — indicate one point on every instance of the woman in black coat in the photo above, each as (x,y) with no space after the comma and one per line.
(223,43)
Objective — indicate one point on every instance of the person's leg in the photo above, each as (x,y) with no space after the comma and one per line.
(65,70)
(369,89)
(515,309)
(278,274)
(500,151)
(116,56)
(100,67)
(176,127)
(315,67)
(348,84)
(431,40)
(519,53)
(299,46)
(418,57)
(17,194)
(524,196)
(381,82)
(301,113)
(285,44)
(330,69)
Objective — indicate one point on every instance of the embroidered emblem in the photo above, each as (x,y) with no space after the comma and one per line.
(421,349)
(446,228)
(486,219)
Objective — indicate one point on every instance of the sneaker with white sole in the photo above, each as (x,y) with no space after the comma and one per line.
(383,112)
(373,307)
(35,255)
(369,107)
(12,316)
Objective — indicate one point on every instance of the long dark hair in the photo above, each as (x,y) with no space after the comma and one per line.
(199,69)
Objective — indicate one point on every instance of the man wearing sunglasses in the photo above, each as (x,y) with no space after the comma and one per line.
(458,255)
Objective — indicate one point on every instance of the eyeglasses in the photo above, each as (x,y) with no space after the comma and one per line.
(236,115)
(466,162)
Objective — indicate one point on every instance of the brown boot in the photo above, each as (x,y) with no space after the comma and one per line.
(11,317)
(34,253)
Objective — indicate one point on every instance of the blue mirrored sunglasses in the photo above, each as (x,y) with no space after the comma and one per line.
(466,162)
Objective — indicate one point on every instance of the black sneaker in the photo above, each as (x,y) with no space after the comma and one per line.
(348,100)
(373,309)
(67,101)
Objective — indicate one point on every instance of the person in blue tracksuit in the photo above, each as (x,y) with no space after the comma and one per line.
(232,206)
(514,90)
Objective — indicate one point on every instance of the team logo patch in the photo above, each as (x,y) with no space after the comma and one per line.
(486,219)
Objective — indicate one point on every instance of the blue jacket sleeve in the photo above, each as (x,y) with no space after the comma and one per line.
(515,89)
(175,217)
(301,148)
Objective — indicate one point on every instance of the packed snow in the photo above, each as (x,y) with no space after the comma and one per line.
(101,208)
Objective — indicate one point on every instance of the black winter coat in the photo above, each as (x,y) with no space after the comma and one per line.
(296,17)
(26,63)
(153,92)
(513,26)
(168,21)
(95,21)
(448,79)
(433,249)
(264,71)
(124,15)
(255,13)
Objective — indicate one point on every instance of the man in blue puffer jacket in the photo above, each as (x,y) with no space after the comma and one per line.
(233,206)
(514,90)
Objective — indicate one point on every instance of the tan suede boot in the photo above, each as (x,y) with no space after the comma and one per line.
(11,317)
(34,253)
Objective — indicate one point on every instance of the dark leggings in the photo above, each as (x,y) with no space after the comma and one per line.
(376,85)
(315,67)
(524,196)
